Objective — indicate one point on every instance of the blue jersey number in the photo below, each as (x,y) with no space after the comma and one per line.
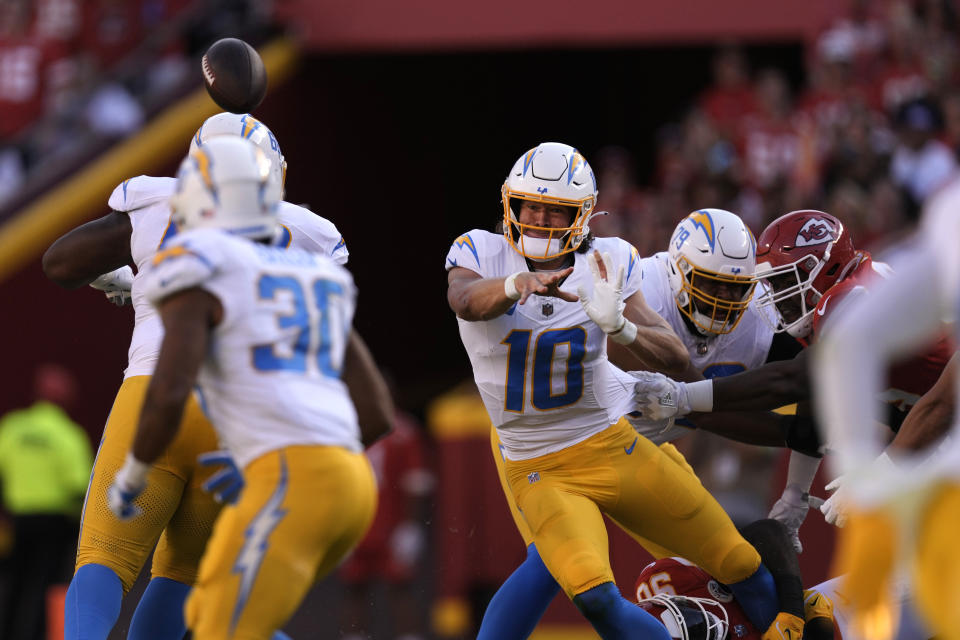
(327,350)
(543,397)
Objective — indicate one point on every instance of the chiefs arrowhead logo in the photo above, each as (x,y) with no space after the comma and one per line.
(814,231)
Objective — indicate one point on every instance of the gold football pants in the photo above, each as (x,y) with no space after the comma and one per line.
(177,514)
(649,491)
(302,510)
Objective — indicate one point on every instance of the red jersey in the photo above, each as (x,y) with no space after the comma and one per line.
(677,576)
(908,379)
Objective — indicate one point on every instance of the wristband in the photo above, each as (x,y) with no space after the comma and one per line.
(700,395)
(626,334)
(133,473)
(510,287)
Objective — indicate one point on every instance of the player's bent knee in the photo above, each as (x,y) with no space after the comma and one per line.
(739,562)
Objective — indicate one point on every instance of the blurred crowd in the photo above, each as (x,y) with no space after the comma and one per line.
(869,134)
(76,75)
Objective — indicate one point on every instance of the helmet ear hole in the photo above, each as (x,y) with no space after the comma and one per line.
(833,269)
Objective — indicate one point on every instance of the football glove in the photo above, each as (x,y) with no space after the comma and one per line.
(606,306)
(785,626)
(658,397)
(225,485)
(116,285)
(835,507)
(791,509)
(129,483)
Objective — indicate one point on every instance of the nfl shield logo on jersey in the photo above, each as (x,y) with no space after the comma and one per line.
(533,477)
(547,308)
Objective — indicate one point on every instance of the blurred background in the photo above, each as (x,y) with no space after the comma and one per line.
(399,121)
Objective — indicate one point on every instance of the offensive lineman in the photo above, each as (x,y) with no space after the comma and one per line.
(111,553)
(552,396)
(266,334)
(814,269)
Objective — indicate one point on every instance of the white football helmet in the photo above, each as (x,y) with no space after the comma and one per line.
(226,184)
(711,266)
(552,173)
(688,618)
(245,126)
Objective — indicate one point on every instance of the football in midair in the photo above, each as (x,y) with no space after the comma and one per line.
(234,75)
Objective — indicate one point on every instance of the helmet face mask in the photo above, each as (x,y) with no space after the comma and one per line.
(712,260)
(553,174)
(689,618)
(801,255)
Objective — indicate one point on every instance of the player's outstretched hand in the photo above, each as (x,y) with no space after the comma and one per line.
(129,483)
(658,397)
(116,285)
(605,305)
(791,509)
(543,284)
(834,509)
(785,626)
(225,484)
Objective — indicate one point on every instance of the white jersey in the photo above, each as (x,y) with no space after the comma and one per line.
(271,377)
(542,367)
(746,347)
(144,199)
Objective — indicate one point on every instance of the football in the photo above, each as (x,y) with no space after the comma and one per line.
(234,75)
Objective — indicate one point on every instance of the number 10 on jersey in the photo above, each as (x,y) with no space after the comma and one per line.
(541,367)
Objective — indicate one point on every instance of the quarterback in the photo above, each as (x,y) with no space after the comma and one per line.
(110,552)
(539,358)
(702,286)
(266,334)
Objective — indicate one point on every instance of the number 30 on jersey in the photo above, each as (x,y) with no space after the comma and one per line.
(540,368)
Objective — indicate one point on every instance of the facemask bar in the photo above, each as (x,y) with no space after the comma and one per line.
(670,603)
(559,240)
(808,266)
(725,314)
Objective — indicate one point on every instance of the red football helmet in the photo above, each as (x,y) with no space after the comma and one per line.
(688,618)
(801,255)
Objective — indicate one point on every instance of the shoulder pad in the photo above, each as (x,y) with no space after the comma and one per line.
(467,249)
(190,259)
(305,229)
(141,191)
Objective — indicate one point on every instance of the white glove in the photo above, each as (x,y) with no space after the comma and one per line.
(658,397)
(878,478)
(606,306)
(791,510)
(834,509)
(116,285)
(129,483)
